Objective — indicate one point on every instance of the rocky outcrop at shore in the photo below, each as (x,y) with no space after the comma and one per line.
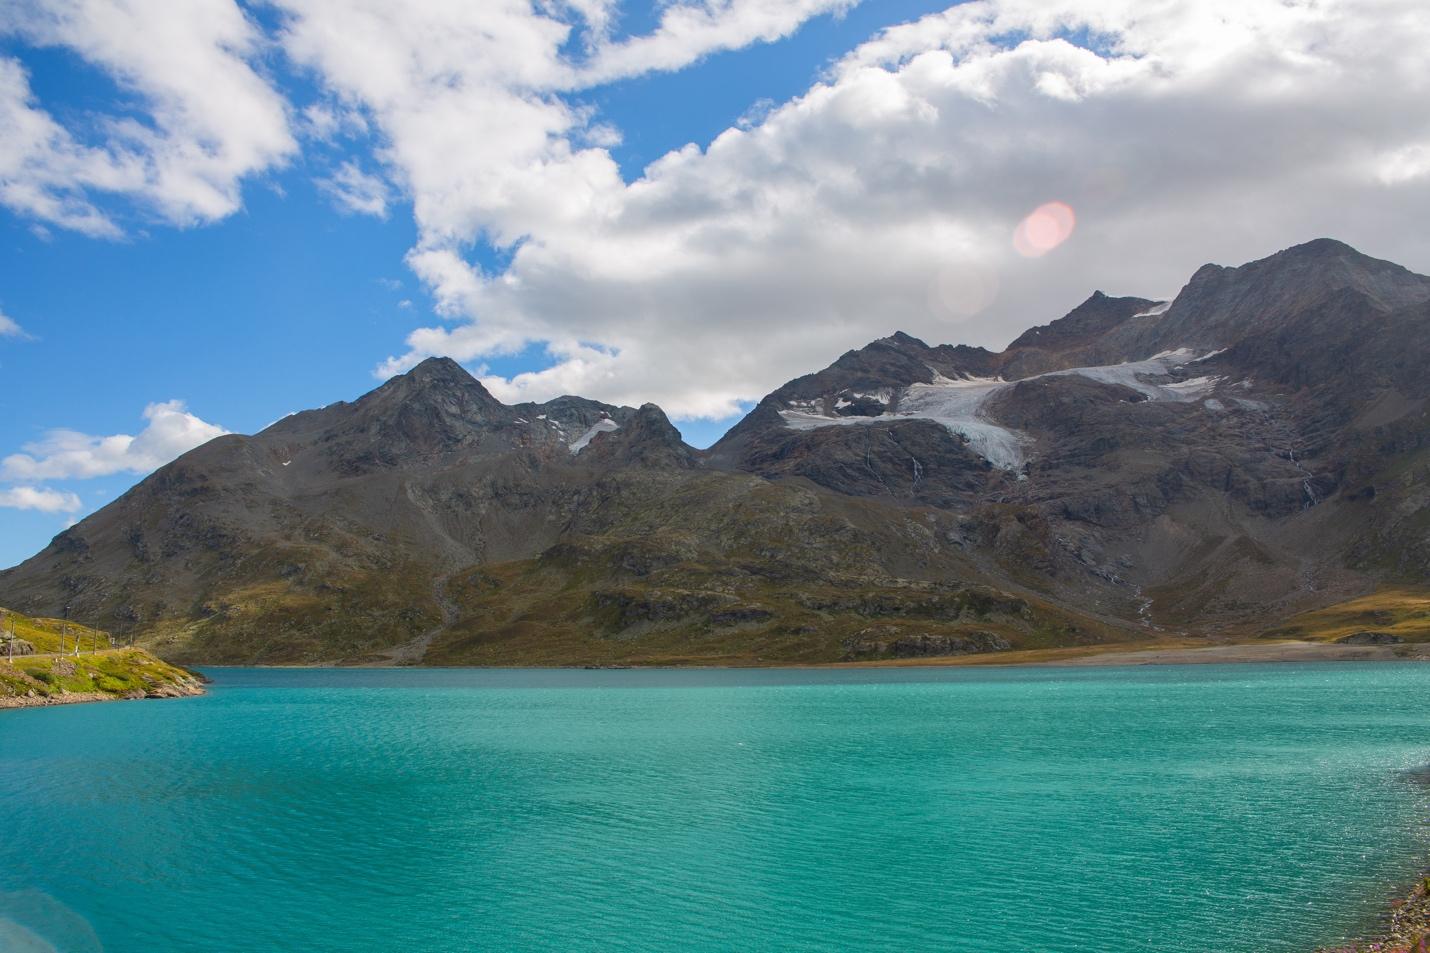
(1408,930)
(1371,638)
(106,675)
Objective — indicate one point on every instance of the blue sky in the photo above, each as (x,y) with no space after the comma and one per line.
(181,229)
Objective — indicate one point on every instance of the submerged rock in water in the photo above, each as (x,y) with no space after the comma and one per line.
(1419,775)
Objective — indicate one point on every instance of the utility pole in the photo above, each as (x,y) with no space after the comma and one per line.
(65,633)
(10,638)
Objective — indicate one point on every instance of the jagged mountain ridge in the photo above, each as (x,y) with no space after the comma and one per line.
(1249,449)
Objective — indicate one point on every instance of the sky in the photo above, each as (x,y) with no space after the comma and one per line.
(216,213)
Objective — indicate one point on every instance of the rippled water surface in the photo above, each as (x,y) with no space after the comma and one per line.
(1236,809)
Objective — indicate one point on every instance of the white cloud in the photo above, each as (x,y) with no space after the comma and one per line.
(9,328)
(66,454)
(208,120)
(689,31)
(356,191)
(329,122)
(888,195)
(39,498)
(467,98)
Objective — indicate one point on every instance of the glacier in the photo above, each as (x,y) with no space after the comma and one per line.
(958,404)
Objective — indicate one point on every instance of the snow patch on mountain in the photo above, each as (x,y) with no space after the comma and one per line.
(1155,311)
(604,425)
(1133,374)
(953,403)
(958,404)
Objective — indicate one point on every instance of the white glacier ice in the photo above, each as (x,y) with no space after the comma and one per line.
(958,404)
(1157,309)
(604,425)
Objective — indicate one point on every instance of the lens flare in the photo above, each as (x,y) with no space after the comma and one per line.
(962,289)
(1045,228)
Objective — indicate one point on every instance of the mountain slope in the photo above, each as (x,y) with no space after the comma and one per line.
(1188,463)
(1252,449)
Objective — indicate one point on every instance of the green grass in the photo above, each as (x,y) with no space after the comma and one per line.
(119,673)
(46,634)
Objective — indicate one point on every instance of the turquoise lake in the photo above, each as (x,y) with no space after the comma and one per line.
(1196,809)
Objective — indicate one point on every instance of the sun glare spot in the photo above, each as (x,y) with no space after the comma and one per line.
(1045,228)
(962,289)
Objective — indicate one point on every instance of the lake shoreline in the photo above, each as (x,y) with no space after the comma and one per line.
(1406,927)
(1104,655)
(1113,655)
(84,698)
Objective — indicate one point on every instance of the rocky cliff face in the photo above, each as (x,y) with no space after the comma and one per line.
(1253,448)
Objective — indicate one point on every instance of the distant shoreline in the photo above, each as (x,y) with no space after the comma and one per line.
(1106,655)
(1109,655)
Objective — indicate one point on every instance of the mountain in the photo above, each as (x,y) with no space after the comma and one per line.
(1209,466)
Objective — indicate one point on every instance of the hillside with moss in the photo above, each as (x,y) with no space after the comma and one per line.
(1389,617)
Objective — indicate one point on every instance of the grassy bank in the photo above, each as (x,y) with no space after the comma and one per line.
(1396,613)
(52,675)
(106,675)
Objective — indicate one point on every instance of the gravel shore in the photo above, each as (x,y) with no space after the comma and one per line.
(1408,929)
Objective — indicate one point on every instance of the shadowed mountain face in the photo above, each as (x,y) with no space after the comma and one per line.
(1254,448)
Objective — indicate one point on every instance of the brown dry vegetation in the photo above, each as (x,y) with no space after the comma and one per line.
(1403,613)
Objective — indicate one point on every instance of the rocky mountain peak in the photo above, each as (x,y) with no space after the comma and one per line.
(439,368)
(1222,306)
(901,340)
(439,383)
(1074,339)
(1324,248)
(438,375)
(646,438)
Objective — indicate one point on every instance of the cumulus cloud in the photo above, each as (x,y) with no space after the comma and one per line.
(889,194)
(896,192)
(39,498)
(462,97)
(66,454)
(206,118)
